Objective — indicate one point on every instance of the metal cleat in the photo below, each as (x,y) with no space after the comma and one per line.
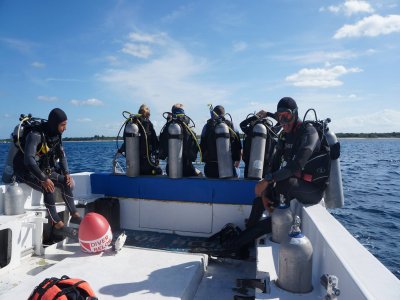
(330,283)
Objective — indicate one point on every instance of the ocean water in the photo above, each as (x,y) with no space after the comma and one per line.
(371,183)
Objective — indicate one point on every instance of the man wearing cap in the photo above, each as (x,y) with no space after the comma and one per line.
(209,147)
(296,145)
(43,165)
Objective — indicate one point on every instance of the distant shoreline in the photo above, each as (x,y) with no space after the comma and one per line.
(96,138)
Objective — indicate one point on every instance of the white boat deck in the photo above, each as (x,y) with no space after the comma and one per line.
(133,273)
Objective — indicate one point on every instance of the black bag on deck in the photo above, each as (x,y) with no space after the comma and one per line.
(235,243)
(108,207)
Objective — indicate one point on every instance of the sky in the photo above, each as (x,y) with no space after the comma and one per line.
(96,59)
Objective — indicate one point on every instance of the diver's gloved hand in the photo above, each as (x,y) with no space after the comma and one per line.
(261,114)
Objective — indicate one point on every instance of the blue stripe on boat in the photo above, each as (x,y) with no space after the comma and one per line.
(200,190)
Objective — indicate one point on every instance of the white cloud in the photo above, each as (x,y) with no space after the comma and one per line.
(47,98)
(141,45)
(239,46)
(350,7)
(387,120)
(370,26)
(88,102)
(37,64)
(160,82)
(84,120)
(147,38)
(319,77)
(137,50)
(323,56)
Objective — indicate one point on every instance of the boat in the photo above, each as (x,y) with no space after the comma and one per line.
(156,209)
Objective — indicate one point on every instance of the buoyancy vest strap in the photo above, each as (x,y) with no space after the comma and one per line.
(263,135)
(175,136)
(223,135)
(132,134)
(44,286)
(67,290)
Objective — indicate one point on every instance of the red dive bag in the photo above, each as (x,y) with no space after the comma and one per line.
(64,288)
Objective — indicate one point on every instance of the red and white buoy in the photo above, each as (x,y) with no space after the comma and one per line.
(94,233)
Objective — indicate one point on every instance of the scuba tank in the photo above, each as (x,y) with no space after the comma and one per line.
(132,140)
(281,220)
(224,154)
(257,151)
(295,262)
(333,196)
(27,123)
(175,150)
(14,200)
(8,172)
(12,151)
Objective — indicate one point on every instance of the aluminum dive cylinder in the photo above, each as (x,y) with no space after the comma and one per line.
(282,220)
(334,197)
(257,151)
(224,154)
(295,262)
(175,150)
(132,151)
(8,172)
(14,200)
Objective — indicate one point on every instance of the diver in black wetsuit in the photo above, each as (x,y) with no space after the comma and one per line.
(190,146)
(149,144)
(43,165)
(209,148)
(296,145)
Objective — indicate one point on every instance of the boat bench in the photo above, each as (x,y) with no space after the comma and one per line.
(187,206)
(191,189)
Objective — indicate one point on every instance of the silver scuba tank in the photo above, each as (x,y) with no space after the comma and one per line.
(257,151)
(175,150)
(282,220)
(132,151)
(295,262)
(8,172)
(333,196)
(224,154)
(14,200)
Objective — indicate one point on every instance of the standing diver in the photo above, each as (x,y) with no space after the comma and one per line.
(209,145)
(42,164)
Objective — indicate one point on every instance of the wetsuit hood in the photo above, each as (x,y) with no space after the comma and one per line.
(56,116)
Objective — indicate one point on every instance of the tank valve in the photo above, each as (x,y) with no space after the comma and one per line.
(330,283)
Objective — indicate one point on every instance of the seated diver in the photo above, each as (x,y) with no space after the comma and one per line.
(190,145)
(296,147)
(36,165)
(148,143)
(247,127)
(208,144)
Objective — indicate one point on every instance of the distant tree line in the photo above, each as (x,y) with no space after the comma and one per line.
(369,135)
(339,135)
